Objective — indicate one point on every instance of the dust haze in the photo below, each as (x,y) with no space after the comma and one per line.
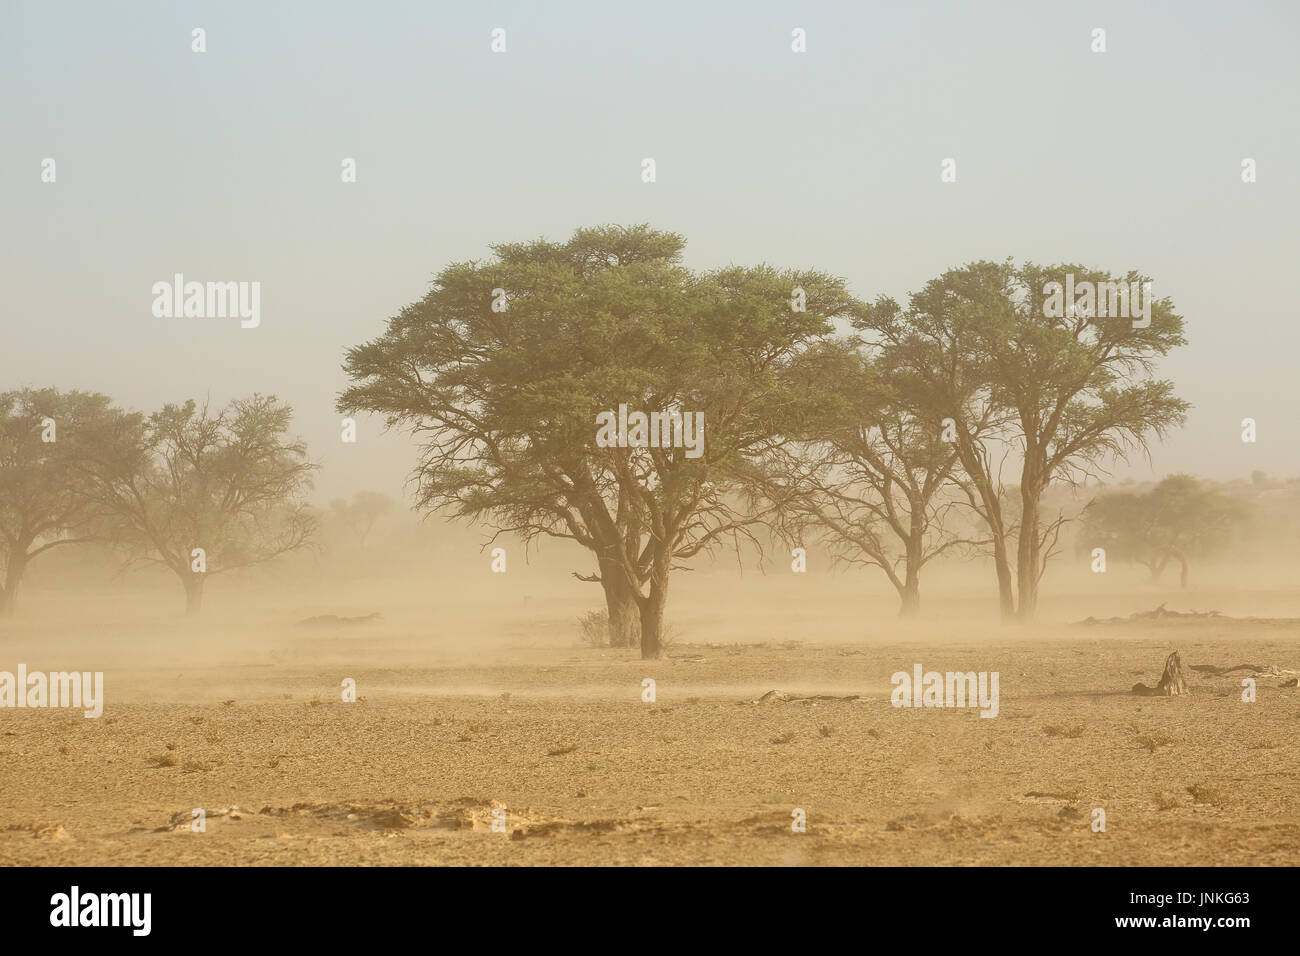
(477,691)
(714,434)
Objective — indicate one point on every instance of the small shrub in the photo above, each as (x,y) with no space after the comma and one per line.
(1209,795)
(1064,730)
(1154,742)
(594,629)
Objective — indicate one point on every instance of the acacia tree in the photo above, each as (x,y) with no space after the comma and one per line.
(42,501)
(360,514)
(204,492)
(1065,393)
(502,369)
(867,470)
(726,356)
(1177,520)
(492,385)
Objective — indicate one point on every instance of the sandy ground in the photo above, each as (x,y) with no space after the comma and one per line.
(556,734)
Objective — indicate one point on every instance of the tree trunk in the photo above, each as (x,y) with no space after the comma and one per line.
(909,592)
(652,615)
(652,621)
(1002,564)
(1027,558)
(9,594)
(1172,682)
(910,605)
(624,619)
(620,603)
(988,495)
(909,589)
(193,593)
(1183,569)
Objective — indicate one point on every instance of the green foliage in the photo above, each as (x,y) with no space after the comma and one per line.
(505,402)
(1067,395)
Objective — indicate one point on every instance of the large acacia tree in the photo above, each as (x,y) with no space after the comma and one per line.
(490,371)
(1063,393)
(501,370)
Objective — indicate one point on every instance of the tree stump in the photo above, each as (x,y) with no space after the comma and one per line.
(1172,682)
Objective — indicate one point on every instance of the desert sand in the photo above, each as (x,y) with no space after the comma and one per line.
(492,701)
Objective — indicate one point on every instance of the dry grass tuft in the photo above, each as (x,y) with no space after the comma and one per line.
(1064,730)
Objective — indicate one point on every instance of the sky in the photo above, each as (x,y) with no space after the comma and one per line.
(226,166)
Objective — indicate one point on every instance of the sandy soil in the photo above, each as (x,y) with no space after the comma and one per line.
(557,735)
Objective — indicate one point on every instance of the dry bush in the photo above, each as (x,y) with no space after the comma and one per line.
(1202,793)
(594,628)
(1064,730)
(1153,742)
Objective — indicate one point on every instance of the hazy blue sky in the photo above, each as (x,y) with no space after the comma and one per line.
(225,166)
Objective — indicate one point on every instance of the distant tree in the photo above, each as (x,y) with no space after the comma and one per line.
(42,501)
(1064,394)
(1178,520)
(360,514)
(229,484)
